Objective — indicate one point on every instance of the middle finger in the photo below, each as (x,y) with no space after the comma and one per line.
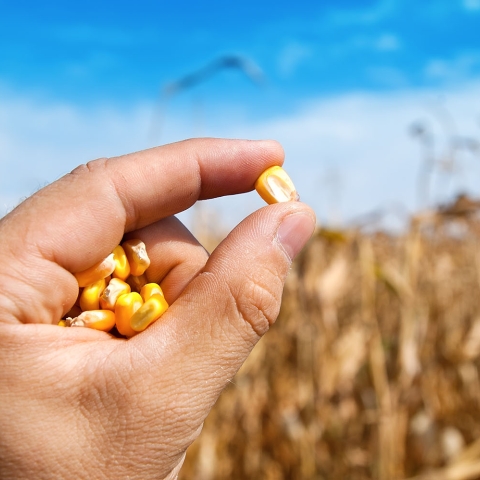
(175,254)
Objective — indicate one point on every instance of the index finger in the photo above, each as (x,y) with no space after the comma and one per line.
(78,219)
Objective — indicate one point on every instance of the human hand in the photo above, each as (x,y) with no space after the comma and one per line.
(79,403)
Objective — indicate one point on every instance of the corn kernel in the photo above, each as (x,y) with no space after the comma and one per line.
(122,267)
(108,285)
(90,296)
(137,256)
(114,289)
(137,283)
(150,289)
(127,304)
(98,319)
(97,272)
(61,323)
(149,312)
(274,186)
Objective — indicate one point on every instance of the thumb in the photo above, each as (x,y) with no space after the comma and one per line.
(244,279)
(207,334)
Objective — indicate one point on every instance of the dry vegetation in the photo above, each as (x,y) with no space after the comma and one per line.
(371,371)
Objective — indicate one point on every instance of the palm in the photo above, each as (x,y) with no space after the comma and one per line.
(78,402)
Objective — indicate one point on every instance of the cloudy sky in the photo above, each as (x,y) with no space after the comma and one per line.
(341,84)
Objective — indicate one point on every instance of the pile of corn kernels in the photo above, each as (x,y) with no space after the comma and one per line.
(115,293)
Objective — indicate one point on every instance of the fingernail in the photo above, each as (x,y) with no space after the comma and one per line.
(294,232)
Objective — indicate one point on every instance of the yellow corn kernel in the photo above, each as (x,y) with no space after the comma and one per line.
(90,296)
(98,319)
(137,256)
(122,267)
(150,289)
(149,312)
(274,186)
(126,305)
(97,272)
(114,289)
(136,283)
(61,323)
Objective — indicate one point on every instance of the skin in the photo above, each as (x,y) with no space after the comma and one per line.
(78,403)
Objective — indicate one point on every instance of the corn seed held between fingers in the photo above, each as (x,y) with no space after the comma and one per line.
(274,186)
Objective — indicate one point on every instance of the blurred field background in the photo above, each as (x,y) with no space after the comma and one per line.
(372,369)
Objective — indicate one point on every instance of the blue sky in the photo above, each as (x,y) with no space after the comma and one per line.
(343,82)
(116,52)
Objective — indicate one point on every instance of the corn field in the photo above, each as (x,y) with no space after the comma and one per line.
(372,369)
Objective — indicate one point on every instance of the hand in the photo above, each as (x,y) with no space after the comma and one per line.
(78,403)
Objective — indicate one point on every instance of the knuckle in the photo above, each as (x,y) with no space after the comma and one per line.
(258,302)
(94,166)
(100,175)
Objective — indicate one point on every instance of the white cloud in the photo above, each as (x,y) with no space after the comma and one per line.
(361,137)
(364,138)
(387,76)
(40,142)
(471,5)
(455,69)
